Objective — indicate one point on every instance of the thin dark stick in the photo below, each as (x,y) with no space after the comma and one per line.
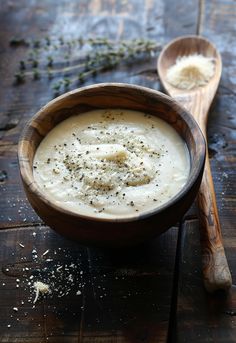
(172,328)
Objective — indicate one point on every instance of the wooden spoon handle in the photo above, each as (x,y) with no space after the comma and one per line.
(215,267)
(216,272)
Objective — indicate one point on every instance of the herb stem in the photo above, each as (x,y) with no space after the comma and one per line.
(102,55)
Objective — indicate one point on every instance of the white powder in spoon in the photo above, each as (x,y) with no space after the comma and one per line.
(191,71)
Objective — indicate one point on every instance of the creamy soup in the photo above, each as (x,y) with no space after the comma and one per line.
(111,163)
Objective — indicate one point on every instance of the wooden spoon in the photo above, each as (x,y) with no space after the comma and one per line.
(197,101)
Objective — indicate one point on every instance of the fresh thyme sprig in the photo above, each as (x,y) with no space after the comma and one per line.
(96,55)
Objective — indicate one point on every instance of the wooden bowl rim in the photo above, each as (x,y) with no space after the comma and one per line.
(26,170)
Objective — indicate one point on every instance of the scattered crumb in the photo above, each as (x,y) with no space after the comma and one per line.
(40,287)
(15,309)
(34,254)
(21,245)
(225,175)
(78,292)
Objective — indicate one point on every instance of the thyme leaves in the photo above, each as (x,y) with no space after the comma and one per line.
(70,63)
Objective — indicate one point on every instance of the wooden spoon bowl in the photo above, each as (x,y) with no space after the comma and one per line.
(185,46)
(197,101)
(119,231)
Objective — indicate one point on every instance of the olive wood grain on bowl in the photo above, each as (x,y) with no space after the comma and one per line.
(111,232)
(197,101)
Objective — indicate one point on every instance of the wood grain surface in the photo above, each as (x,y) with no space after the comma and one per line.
(217,312)
(135,297)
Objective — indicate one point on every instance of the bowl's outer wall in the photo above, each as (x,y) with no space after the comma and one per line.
(119,233)
(115,234)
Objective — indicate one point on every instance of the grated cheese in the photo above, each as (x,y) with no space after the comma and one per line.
(40,287)
(191,71)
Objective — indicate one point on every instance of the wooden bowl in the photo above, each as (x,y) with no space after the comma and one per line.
(111,232)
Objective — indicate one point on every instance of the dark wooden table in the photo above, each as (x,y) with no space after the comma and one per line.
(152,293)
